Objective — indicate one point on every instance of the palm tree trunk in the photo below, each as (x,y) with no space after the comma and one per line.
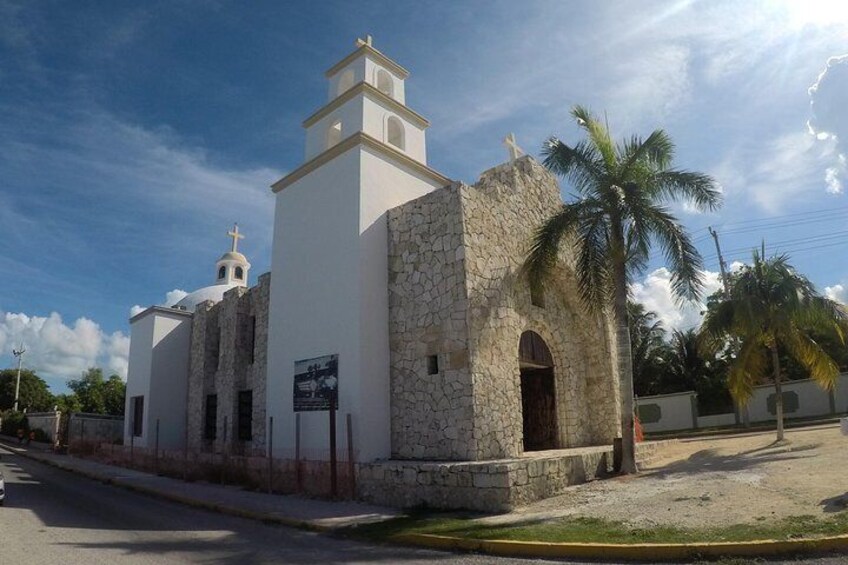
(778,392)
(625,374)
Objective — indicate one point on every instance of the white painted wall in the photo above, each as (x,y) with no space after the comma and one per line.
(329,294)
(376,115)
(351,116)
(676,411)
(160,344)
(812,401)
(365,70)
(840,394)
(716,420)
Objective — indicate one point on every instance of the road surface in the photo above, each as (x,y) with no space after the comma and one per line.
(53,516)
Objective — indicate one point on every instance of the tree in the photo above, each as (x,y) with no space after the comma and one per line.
(771,309)
(98,396)
(688,367)
(34,395)
(618,213)
(647,344)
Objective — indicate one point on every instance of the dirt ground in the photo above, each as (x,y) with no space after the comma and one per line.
(716,481)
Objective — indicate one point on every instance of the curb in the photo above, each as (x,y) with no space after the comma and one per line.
(631,552)
(193,502)
(504,548)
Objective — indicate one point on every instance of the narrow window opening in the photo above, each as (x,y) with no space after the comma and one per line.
(245,415)
(432,364)
(251,340)
(239,273)
(385,84)
(210,427)
(222,272)
(394,133)
(334,133)
(137,411)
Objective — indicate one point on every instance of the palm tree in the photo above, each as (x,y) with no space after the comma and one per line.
(769,308)
(617,213)
(647,344)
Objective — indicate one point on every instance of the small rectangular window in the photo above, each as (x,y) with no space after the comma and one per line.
(210,427)
(137,410)
(251,340)
(245,415)
(432,364)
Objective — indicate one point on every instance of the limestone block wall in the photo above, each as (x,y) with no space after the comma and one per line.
(500,214)
(431,414)
(455,292)
(222,364)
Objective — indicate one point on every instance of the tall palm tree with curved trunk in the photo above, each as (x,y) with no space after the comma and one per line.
(770,308)
(618,211)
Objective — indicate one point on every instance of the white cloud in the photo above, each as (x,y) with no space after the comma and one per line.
(837,292)
(829,120)
(655,293)
(171,298)
(56,349)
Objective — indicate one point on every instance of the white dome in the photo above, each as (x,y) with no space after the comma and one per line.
(215,293)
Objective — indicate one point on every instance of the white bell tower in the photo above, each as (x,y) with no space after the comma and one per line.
(365,154)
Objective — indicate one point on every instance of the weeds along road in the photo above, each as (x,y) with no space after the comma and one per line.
(52,516)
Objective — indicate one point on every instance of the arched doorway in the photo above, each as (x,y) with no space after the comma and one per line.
(538,394)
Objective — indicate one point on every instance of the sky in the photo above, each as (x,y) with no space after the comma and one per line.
(134,134)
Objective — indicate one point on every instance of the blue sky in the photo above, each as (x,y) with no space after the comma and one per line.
(134,134)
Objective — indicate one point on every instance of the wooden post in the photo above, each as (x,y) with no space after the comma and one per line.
(270,454)
(334,478)
(351,465)
(156,447)
(298,476)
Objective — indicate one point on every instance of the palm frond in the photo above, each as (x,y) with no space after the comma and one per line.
(678,186)
(683,258)
(750,363)
(582,165)
(804,349)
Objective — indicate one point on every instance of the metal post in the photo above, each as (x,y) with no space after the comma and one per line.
(82,431)
(132,444)
(270,454)
(334,478)
(297,473)
(19,353)
(156,446)
(350,463)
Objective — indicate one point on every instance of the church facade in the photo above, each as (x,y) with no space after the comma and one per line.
(397,294)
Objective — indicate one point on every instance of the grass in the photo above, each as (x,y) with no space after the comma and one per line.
(595,530)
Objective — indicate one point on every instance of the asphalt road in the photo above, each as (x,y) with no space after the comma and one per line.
(52,516)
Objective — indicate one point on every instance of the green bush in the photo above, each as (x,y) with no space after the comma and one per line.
(12,422)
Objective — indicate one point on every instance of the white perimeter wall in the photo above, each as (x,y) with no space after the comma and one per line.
(675,411)
(329,294)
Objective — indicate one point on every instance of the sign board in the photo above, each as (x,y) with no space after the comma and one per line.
(316,383)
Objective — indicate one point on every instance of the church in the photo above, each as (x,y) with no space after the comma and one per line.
(396,297)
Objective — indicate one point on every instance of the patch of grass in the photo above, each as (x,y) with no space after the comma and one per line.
(595,530)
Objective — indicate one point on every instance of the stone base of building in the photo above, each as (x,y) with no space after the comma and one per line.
(487,486)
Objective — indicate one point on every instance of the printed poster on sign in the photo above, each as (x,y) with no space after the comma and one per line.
(316,383)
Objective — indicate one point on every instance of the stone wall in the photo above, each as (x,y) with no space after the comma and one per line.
(501,213)
(431,415)
(223,363)
(455,292)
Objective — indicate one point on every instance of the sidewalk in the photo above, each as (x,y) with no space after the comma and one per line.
(287,510)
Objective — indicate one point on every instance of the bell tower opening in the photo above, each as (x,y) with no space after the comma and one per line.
(538,393)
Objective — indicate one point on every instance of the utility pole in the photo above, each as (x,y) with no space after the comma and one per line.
(721,264)
(744,409)
(19,353)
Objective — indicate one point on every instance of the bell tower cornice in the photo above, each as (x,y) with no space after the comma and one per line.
(371,91)
(365,48)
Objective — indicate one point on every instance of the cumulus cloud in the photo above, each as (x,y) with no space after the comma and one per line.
(837,292)
(56,349)
(171,298)
(655,293)
(829,119)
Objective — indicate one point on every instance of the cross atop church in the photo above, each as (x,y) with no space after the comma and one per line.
(367,41)
(512,147)
(236,236)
